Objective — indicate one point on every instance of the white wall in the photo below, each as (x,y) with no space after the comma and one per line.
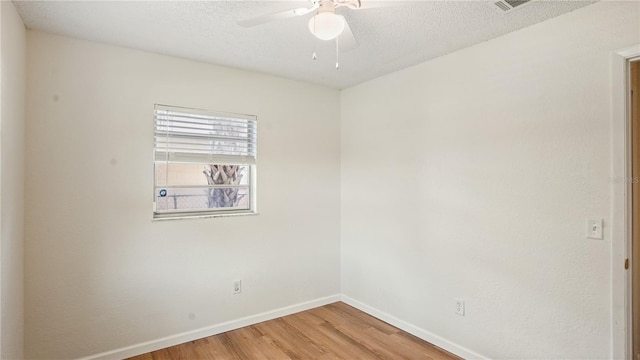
(100,274)
(12,118)
(471,176)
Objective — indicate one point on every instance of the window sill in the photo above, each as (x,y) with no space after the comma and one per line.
(163,217)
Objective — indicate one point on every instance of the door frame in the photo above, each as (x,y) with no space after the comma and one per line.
(620,187)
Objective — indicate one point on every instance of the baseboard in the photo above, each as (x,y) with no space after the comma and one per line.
(177,339)
(414,330)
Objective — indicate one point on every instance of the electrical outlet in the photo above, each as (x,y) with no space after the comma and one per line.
(459,306)
(237,286)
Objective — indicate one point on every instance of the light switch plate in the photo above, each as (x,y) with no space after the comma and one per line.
(594,229)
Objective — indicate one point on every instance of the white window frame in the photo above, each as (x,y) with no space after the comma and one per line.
(168,121)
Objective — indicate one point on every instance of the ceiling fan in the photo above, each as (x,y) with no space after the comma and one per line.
(326,24)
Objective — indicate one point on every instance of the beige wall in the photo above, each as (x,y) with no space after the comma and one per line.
(12,118)
(472,176)
(100,274)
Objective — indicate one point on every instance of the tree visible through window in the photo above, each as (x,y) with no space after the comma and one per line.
(205,163)
(221,175)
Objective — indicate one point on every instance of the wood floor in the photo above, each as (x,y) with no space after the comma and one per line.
(331,332)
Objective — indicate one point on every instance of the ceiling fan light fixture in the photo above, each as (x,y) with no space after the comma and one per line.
(326,25)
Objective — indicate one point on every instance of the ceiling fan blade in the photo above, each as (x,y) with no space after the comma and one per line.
(375,4)
(346,40)
(258,20)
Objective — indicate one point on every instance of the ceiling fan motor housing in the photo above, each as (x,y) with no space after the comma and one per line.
(326,6)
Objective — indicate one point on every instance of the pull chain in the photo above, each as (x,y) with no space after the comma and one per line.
(315,48)
(315,42)
(337,54)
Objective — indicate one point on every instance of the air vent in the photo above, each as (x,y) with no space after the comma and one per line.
(508,5)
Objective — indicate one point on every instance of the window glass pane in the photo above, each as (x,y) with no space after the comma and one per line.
(201,198)
(190,174)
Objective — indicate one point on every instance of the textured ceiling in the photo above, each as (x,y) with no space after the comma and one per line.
(390,37)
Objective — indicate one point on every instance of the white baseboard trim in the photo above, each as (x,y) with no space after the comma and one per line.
(414,330)
(177,339)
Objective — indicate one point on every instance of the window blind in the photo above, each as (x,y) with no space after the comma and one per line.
(189,135)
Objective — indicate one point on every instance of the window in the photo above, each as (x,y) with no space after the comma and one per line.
(204,162)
